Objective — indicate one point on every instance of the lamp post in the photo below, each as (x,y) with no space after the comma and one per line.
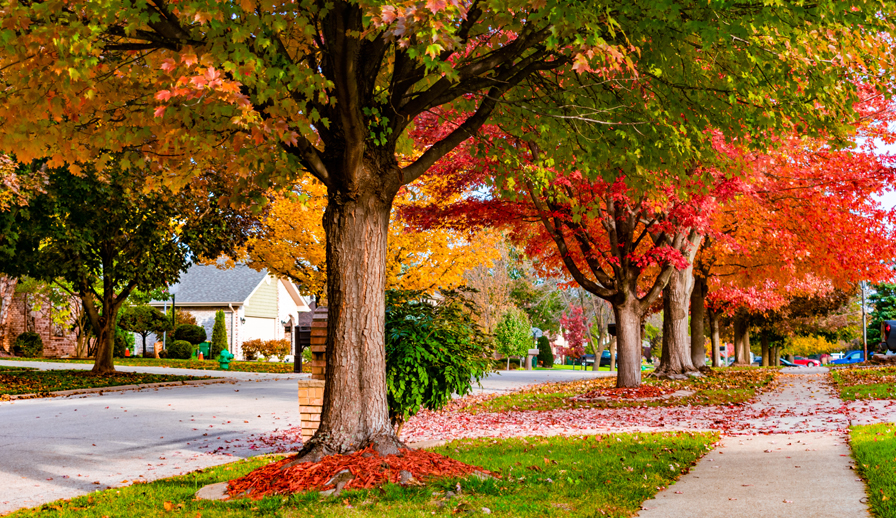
(864,325)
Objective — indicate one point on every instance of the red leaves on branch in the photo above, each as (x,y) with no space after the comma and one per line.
(574,329)
(368,468)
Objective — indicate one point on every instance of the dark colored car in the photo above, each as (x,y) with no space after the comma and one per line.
(605,358)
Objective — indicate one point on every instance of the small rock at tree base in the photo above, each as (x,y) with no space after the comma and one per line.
(406,477)
(213,492)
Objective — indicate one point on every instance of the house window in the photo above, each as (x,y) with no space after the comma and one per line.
(58,329)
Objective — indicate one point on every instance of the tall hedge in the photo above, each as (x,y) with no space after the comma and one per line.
(219,335)
(545,355)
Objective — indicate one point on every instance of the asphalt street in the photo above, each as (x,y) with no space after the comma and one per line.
(63,447)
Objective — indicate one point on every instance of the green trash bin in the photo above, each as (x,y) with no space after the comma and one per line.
(205,348)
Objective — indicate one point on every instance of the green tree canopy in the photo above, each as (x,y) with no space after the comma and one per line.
(143,319)
(102,232)
(513,334)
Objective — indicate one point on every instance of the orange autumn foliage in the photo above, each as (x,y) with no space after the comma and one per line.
(291,243)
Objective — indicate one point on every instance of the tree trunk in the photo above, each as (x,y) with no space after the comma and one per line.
(741,341)
(716,339)
(613,352)
(144,345)
(628,334)
(766,353)
(675,361)
(355,412)
(777,356)
(698,314)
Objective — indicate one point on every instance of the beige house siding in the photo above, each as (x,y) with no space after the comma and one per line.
(263,303)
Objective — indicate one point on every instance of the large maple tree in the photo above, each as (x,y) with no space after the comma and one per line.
(261,90)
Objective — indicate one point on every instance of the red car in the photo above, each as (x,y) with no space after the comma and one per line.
(806,362)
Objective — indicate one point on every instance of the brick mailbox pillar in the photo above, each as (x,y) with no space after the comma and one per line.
(311,392)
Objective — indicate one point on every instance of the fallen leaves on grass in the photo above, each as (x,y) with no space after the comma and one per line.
(642,392)
(367,467)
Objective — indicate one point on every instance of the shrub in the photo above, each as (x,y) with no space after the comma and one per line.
(123,340)
(261,349)
(180,349)
(29,344)
(219,335)
(545,355)
(434,349)
(190,333)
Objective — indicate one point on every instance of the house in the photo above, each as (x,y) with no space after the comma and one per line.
(23,313)
(256,304)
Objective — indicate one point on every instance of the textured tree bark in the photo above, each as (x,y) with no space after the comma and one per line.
(716,339)
(357,230)
(698,315)
(675,361)
(628,334)
(613,352)
(741,341)
(766,353)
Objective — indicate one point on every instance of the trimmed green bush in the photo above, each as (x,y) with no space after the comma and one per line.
(219,335)
(190,333)
(434,349)
(545,355)
(29,344)
(123,340)
(180,350)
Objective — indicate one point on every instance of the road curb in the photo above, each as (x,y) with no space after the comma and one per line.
(123,388)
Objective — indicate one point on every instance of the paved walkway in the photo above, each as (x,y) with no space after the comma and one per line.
(788,457)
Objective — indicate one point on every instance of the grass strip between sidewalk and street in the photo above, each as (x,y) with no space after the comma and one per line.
(241,366)
(16,381)
(874,448)
(865,383)
(716,387)
(578,476)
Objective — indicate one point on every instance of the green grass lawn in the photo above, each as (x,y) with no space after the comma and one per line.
(259,366)
(608,475)
(14,380)
(874,448)
(720,386)
(867,383)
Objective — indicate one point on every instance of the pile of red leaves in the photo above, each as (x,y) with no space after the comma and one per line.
(642,392)
(368,468)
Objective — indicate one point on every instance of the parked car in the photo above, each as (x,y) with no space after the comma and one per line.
(784,363)
(852,357)
(605,358)
(807,362)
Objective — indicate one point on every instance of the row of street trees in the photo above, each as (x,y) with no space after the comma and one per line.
(614,116)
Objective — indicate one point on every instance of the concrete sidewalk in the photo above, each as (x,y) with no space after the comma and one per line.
(793,461)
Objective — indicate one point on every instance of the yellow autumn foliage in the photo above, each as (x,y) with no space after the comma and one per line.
(806,345)
(292,243)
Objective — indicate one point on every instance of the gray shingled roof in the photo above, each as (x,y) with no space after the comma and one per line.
(209,284)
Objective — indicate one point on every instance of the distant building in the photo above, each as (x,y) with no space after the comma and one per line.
(256,304)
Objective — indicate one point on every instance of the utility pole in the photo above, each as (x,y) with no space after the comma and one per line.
(864,325)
